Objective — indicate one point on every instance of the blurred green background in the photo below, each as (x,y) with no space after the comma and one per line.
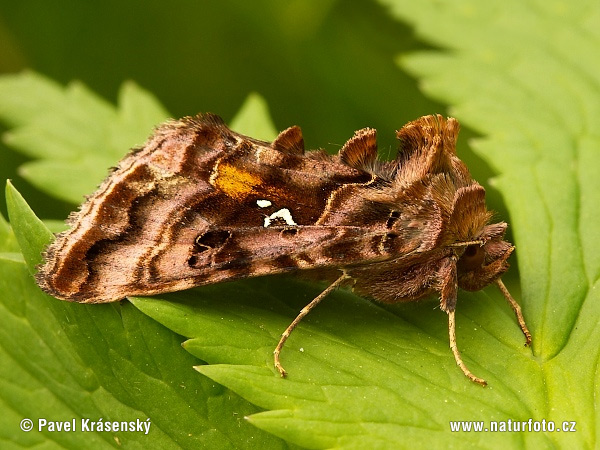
(326,65)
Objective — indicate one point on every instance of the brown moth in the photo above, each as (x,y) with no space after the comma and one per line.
(199,204)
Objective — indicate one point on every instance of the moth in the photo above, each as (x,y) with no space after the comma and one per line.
(200,204)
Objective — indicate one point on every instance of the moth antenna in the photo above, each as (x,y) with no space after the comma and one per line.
(457,358)
(286,334)
(479,242)
(517,309)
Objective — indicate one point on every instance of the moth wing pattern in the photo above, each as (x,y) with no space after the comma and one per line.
(199,204)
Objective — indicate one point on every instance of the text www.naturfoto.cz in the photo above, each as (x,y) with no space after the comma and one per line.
(514,426)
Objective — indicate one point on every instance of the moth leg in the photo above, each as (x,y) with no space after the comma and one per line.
(300,316)
(457,358)
(517,309)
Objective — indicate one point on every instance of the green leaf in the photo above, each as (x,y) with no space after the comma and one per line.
(74,135)
(348,358)
(8,243)
(30,232)
(253,119)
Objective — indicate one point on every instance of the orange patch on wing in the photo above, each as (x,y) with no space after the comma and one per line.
(234,181)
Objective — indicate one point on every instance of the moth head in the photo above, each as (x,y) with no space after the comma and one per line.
(479,248)
(484,260)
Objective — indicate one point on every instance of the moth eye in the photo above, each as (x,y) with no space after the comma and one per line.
(470,251)
(472,258)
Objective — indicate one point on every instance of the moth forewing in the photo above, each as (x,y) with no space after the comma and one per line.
(200,204)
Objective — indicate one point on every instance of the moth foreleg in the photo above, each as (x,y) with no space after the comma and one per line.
(300,316)
(517,309)
(457,358)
